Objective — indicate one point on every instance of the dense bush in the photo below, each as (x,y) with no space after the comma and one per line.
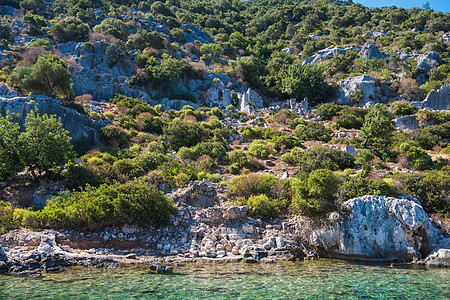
(183,134)
(134,202)
(359,186)
(317,193)
(259,149)
(325,158)
(430,187)
(313,131)
(113,135)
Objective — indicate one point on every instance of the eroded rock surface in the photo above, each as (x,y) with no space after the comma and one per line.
(78,125)
(378,227)
(370,91)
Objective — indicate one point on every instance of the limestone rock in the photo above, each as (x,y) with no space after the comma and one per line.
(429,61)
(370,51)
(78,125)
(438,99)
(378,227)
(370,88)
(327,53)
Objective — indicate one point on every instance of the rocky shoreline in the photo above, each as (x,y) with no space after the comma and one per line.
(207,228)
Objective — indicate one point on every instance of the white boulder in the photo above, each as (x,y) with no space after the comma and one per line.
(378,227)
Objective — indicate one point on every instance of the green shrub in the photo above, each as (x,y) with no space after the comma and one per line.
(186,153)
(26,218)
(262,206)
(326,111)
(288,141)
(402,108)
(183,134)
(445,150)
(134,202)
(6,217)
(238,157)
(325,158)
(129,167)
(359,186)
(215,111)
(78,176)
(414,152)
(314,131)
(113,135)
(432,188)
(423,162)
(293,157)
(259,149)
(317,194)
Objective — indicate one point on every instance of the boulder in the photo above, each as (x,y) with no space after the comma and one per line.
(438,99)
(193,33)
(327,53)
(370,88)
(428,61)
(378,227)
(78,125)
(370,51)
(440,257)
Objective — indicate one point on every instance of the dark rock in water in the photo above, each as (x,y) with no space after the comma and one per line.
(250,260)
(153,267)
(168,270)
(160,269)
(3,256)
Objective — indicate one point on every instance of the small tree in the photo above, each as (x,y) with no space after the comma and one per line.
(303,81)
(49,75)
(44,144)
(10,162)
(377,125)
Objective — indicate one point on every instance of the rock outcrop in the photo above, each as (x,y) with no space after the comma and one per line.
(437,99)
(429,61)
(370,51)
(370,90)
(78,125)
(327,53)
(378,227)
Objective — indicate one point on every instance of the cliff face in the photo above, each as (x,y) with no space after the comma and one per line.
(378,227)
(78,125)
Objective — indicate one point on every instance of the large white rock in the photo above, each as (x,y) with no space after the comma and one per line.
(378,227)
(370,87)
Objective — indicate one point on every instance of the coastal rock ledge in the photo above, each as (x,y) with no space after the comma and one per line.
(378,228)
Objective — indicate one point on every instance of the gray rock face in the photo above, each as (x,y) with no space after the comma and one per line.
(176,104)
(407,122)
(94,74)
(3,256)
(195,34)
(438,99)
(327,53)
(370,51)
(370,87)
(199,194)
(77,124)
(378,227)
(429,61)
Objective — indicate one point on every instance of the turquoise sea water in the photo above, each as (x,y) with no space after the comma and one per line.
(320,279)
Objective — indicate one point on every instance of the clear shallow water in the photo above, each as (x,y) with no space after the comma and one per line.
(321,279)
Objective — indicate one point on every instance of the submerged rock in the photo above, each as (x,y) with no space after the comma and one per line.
(378,227)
